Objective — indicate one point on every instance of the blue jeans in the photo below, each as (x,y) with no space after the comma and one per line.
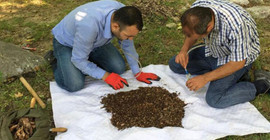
(223,92)
(70,78)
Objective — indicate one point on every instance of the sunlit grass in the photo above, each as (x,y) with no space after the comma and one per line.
(14,6)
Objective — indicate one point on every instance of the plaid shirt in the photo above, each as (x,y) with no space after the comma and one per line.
(234,36)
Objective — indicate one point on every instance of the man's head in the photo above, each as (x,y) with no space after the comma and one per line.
(198,21)
(126,22)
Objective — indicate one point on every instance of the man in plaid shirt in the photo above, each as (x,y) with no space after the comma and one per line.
(231,46)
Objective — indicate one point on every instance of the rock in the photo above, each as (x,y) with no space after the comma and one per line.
(28,30)
(257,1)
(183,9)
(240,2)
(259,11)
(171,25)
(267,34)
(175,19)
(15,61)
(144,28)
(49,100)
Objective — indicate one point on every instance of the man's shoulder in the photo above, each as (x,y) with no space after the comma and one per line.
(216,4)
(104,3)
(96,10)
(228,13)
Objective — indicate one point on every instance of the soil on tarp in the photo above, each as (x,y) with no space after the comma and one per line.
(22,128)
(145,107)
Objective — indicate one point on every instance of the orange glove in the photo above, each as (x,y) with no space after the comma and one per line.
(116,81)
(145,77)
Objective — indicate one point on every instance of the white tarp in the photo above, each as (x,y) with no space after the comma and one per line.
(81,113)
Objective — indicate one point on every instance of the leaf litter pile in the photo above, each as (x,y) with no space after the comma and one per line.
(23,128)
(144,107)
(153,8)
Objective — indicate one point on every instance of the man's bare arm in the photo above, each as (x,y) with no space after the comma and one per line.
(225,70)
(229,68)
(182,57)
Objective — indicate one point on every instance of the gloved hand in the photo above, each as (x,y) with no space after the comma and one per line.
(145,77)
(116,81)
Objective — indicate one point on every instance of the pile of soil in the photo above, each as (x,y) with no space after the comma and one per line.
(144,107)
(153,8)
(23,128)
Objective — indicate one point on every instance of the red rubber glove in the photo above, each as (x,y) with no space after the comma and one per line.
(145,77)
(116,81)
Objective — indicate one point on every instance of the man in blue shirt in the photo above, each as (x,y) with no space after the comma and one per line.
(231,45)
(82,45)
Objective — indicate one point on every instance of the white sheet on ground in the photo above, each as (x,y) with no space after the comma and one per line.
(81,113)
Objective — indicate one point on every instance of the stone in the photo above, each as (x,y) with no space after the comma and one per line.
(259,11)
(15,61)
(240,2)
(176,19)
(257,1)
(171,25)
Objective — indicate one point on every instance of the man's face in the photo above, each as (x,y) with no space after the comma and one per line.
(129,32)
(191,34)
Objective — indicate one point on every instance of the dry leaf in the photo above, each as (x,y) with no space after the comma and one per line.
(18,95)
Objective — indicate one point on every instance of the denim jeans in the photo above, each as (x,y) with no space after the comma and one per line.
(70,78)
(223,92)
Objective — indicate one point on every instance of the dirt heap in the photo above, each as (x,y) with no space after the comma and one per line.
(144,107)
(153,8)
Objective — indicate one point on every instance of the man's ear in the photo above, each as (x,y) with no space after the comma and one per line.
(210,26)
(115,26)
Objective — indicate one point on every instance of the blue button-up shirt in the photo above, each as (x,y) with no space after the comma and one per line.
(234,36)
(88,27)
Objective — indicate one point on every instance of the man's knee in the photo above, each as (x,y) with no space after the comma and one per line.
(119,69)
(175,67)
(117,66)
(75,86)
(214,102)
(172,64)
(70,85)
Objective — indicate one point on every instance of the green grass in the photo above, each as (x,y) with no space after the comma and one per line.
(155,45)
(174,4)
(5,25)
(257,64)
(40,31)
(1,77)
(38,80)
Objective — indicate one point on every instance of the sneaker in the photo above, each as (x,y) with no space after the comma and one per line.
(49,57)
(262,81)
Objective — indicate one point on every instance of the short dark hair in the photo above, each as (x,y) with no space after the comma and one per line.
(128,16)
(197,19)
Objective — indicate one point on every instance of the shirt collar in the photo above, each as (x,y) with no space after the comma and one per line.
(216,26)
(107,29)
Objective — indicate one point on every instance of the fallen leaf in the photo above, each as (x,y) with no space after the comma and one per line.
(18,95)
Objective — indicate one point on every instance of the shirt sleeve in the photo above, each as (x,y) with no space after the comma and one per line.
(238,44)
(86,33)
(131,55)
